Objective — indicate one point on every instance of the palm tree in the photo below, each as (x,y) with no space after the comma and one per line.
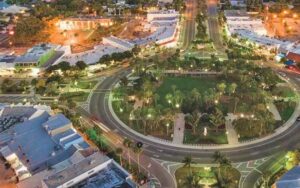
(221,87)
(128,143)
(223,162)
(193,120)
(138,151)
(217,118)
(178,98)
(156,98)
(231,88)
(188,162)
(119,152)
(192,181)
(196,96)
(169,98)
(266,178)
(124,81)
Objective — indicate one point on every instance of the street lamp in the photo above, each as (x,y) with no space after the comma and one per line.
(167,125)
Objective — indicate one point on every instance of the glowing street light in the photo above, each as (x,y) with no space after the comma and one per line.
(295,15)
(167,125)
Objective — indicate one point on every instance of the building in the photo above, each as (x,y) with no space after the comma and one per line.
(96,170)
(13,9)
(3,5)
(30,147)
(291,179)
(238,3)
(164,26)
(241,20)
(165,1)
(41,55)
(293,56)
(151,15)
(117,42)
(46,151)
(84,23)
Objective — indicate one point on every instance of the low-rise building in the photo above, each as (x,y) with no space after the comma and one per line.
(14,9)
(117,42)
(78,23)
(240,19)
(46,151)
(151,15)
(39,55)
(291,179)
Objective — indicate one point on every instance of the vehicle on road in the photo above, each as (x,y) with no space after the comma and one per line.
(282,74)
(293,68)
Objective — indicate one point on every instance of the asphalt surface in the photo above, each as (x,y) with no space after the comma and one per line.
(213,24)
(189,23)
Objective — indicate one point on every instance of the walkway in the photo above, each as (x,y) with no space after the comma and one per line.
(273,109)
(232,136)
(179,129)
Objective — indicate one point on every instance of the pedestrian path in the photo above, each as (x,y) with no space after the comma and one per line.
(272,108)
(179,126)
(232,136)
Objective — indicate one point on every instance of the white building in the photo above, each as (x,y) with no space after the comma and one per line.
(167,14)
(165,1)
(238,3)
(240,19)
(164,26)
(117,42)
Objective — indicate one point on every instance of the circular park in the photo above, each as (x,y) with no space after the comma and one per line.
(205,102)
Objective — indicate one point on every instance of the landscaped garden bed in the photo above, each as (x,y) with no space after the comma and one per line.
(151,98)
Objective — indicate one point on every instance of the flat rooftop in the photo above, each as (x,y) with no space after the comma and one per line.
(76,170)
(33,145)
(236,13)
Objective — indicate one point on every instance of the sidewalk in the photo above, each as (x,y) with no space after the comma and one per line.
(232,136)
(273,109)
(179,129)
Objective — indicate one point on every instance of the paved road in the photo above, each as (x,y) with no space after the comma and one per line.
(189,23)
(99,106)
(284,141)
(213,24)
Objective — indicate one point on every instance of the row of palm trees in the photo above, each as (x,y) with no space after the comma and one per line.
(192,179)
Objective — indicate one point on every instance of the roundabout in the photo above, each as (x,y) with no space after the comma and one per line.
(284,138)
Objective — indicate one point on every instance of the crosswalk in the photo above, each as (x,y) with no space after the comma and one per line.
(245,168)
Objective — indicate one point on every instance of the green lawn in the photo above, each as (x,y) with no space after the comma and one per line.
(185,85)
(212,137)
(286,109)
(79,96)
(283,91)
(84,84)
(206,176)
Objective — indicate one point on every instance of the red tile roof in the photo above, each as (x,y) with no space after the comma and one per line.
(294,57)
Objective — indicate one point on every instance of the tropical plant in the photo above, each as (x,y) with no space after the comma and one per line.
(217,118)
(128,144)
(193,120)
(119,152)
